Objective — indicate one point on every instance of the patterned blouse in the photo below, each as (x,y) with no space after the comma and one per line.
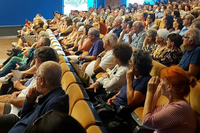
(150,48)
(171,57)
(159,53)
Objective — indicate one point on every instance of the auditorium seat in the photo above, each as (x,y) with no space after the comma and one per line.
(157,67)
(194,101)
(84,112)
(64,67)
(61,59)
(96,129)
(76,92)
(69,78)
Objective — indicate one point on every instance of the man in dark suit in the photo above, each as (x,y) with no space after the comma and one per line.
(48,80)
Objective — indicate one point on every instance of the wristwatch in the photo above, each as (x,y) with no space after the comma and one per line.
(99,56)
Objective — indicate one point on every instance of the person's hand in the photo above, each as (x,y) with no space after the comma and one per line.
(94,86)
(130,34)
(15,94)
(81,57)
(32,94)
(129,75)
(17,85)
(145,41)
(153,84)
(9,75)
(125,31)
(83,36)
(112,99)
(105,75)
(17,66)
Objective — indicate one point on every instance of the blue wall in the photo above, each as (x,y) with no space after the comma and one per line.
(14,12)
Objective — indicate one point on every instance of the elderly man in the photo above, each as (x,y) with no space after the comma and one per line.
(95,50)
(190,60)
(117,29)
(48,80)
(138,29)
(126,26)
(11,104)
(105,59)
(187,21)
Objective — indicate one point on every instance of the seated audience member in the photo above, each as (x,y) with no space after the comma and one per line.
(96,23)
(177,115)
(11,104)
(124,38)
(133,93)
(104,59)
(56,122)
(161,40)
(67,27)
(94,51)
(48,80)
(138,29)
(173,54)
(176,14)
(177,25)
(83,45)
(168,22)
(69,42)
(17,65)
(149,44)
(116,26)
(150,22)
(112,82)
(187,21)
(109,22)
(190,60)
(30,38)
(195,24)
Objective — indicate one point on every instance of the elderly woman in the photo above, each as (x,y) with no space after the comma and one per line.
(149,44)
(114,80)
(161,40)
(190,60)
(177,115)
(173,54)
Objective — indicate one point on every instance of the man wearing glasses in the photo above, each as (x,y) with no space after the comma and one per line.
(187,21)
(190,60)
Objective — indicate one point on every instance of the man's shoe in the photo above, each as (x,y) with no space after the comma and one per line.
(9,53)
(14,44)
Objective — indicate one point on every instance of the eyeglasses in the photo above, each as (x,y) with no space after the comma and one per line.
(186,37)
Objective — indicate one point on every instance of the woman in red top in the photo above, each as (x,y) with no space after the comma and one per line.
(177,115)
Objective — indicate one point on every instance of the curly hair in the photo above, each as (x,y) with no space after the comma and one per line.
(122,52)
(142,61)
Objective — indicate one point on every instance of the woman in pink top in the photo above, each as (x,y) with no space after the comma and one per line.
(177,115)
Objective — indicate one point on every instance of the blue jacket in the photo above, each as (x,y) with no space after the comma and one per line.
(55,100)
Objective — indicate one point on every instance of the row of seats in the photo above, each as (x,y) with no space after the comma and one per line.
(80,106)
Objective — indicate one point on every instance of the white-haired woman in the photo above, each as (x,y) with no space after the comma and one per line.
(161,40)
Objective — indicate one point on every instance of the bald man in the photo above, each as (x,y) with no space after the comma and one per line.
(48,85)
